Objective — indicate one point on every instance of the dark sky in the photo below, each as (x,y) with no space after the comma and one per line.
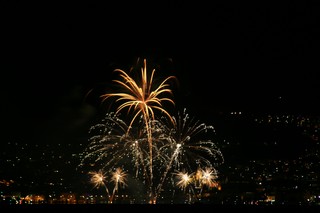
(227,56)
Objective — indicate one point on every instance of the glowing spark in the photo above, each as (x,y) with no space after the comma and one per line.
(208,177)
(184,179)
(97,178)
(119,177)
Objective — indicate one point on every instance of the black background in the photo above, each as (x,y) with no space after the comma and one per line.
(228,56)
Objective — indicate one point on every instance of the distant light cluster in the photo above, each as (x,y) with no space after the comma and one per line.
(308,125)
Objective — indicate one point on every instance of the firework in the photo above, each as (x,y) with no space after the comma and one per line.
(174,146)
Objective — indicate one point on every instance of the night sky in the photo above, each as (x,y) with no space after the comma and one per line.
(227,57)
